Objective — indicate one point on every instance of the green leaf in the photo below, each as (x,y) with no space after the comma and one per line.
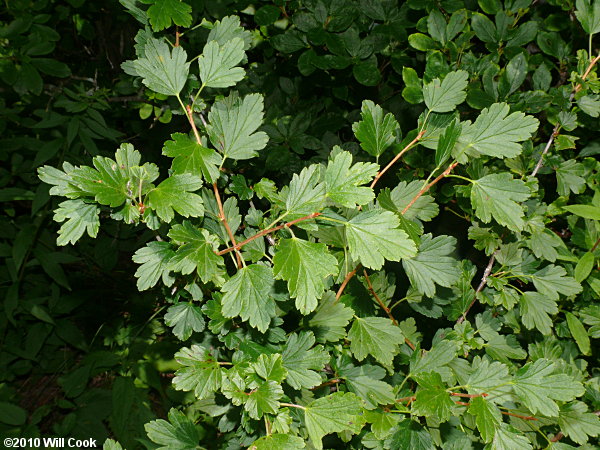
(399,198)
(247,294)
(113,181)
(375,336)
(270,367)
(535,311)
(109,444)
(218,63)
(589,15)
(191,157)
(496,196)
(432,265)
(578,424)
(305,266)
(372,392)
(375,131)
(495,133)
(439,356)
(488,377)
(342,180)
(432,399)
(584,266)
(487,417)
(80,217)
(513,76)
(263,400)
(154,259)
(163,12)
(553,280)
(446,142)
(569,176)
(201,372)
(444,96)
(302,360)
(373,236)
(162,71)
(382,423)
(579,333)
(305,193)
(436,25)
(175,194)
(409,434)
(179,433)
(278,441)
(185,318)
(233,125)
(589,104)
(334,413)
(508,438)
(544,244)
(330,319)
(538,389)
(196,252)
(227,29)
(12,414)
(585,211)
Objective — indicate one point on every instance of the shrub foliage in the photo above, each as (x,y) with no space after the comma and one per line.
(354,224)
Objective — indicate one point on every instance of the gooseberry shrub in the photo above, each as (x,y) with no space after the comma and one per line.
(326,305)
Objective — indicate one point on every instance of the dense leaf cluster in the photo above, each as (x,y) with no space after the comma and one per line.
(339,282)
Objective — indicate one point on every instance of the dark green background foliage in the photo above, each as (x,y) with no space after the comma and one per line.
(451,303)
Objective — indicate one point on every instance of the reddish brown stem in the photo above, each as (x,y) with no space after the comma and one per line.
(226,225)
(193,124)
(595,245)
(236,247)
(519,416)
(176,37)
(458,394)
(327,383)
(374,294)
(462,403)
(385,308)
(411,203)
(222,217)
(557,126)
(426,188)
(397,157)
(406,399)
(557,437)
(349,276)
(482,283)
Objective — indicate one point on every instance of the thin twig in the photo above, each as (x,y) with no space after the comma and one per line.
(595,245)
(387,310)
(557,126)
(222,217)
(459,394)
(349,276)
(557,437)
(546,148)
(226,225)
(411,203)
(519,416)
(292,405)
(374,294)
(482,283)
(193,124)
(270,230)
(327,383)
(397,157)
(426,188)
